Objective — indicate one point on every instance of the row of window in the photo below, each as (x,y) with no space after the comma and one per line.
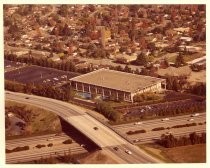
(99,90)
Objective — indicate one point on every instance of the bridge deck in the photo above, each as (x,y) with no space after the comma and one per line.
(103,137)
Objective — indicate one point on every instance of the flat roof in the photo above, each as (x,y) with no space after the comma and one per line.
(117,80)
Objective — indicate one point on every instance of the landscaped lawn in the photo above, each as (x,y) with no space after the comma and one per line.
(183,154)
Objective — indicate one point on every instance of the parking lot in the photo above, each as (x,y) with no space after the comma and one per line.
(11,65)
(167,106)
(39,75)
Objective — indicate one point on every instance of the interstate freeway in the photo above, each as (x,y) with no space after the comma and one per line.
(104,137)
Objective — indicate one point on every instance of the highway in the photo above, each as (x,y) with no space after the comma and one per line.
(76,116)
(34,153)
(173,121)
(44,152)
(149,124)
(35,140)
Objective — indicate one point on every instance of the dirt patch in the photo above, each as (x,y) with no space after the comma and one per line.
(98,157)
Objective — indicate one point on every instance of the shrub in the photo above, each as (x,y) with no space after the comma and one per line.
(184,125)
(158,129)
(50,145)
(135,132)
(17,149)
(40,146)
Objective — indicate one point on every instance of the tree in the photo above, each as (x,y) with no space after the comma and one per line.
(179,60)
(176,85)
(69,92)
(194,138)
(118,68)
(141,59)
(29,53)
(63,11)
(166,63)
(107,110)
(199,89)
(137,71)
(127,69)
(28,88)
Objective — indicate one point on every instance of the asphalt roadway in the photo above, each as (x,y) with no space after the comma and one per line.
(76,116)
(150,135)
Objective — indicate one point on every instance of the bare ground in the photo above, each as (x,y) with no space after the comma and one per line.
(98,157)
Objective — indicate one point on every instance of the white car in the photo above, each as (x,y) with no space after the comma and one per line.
(195,115)
(142,110)
(165,119)
(148,107)
(137,123)
(191,119)
(136,140)
(128,152)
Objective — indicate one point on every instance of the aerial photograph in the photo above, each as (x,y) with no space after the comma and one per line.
(104,83)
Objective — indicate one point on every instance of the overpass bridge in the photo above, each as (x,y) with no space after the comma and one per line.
(77,117)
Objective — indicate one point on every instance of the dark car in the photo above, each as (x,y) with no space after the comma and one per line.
(95,128)
(116,148)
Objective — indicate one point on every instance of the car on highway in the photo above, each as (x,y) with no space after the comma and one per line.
(168,133)
(58,134)
(128,152)
(82,145)
(95,128)
(116,148)
(165,119)
(191,119)
(136,140)
(137,123)
(50,139)
(195,115)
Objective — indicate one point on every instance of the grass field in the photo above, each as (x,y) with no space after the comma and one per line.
(183,154)
(43,121)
